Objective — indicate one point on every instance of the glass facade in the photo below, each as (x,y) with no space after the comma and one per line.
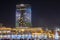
(23,15)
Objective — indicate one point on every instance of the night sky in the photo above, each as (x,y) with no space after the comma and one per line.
(44,13)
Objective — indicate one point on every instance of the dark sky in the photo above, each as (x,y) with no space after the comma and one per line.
(44,13)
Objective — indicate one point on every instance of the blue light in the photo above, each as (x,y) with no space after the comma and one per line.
(18,36)
(29,36)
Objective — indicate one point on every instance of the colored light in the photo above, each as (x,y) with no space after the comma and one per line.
(56,35)
(22,30)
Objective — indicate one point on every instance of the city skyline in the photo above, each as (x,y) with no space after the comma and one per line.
(44,13)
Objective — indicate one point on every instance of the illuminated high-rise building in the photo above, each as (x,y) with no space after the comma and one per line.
(23,15)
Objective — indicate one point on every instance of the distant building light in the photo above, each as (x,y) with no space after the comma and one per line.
(8,31)
(57,29)
(56,35)
(0,31)
(23,9)
(4,31)
(22,29)
(21,4)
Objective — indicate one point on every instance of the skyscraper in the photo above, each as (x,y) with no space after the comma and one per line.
(23,15)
